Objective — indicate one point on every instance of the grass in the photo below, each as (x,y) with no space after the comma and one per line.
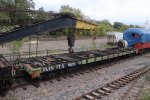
(93,46)
(83,47)
(148,77)
(145,96)
(146,92)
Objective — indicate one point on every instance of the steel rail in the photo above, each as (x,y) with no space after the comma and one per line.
(108,88)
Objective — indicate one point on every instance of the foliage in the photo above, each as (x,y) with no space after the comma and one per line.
(83,47)
(15,46)
(41,15)
(17,4)
(93,46)
(119,26)
(85,33)
(65,32)
(66,8)
(148,77)
(137,26)
(55,33)
(146,96)
(103,27)
(146,90)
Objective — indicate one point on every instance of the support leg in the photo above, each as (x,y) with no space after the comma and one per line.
(71,41)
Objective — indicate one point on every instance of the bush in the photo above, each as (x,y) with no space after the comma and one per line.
(93,46)
(146,96)
(146,93)
(148,77)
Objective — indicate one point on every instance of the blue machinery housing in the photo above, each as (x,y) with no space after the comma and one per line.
(136,35)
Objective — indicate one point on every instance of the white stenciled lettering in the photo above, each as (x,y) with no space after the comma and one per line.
(71,64)
(51,68)
(62,66)
(79,62)
(54,67)
(59,67)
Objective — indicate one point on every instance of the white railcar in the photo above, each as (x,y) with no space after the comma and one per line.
(113,37)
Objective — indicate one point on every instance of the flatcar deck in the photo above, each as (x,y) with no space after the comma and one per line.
(37,65)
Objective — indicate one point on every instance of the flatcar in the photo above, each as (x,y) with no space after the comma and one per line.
(37,66)
(5,75)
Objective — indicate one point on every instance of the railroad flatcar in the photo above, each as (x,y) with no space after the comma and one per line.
(36,66)
(5,75)
(137,38)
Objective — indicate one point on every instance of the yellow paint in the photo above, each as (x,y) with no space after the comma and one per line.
(85,25)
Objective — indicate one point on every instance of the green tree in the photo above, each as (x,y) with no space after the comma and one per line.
(17,4)
(66,8)
(41,15)
(119,26)
(137,26)
(78,13)
(131,26)
(104,26)
(65,32)
(15,47)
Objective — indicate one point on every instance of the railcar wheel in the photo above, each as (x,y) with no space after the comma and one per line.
(71,51)
(3,93)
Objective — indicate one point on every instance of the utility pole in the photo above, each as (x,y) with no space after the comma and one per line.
(146,25)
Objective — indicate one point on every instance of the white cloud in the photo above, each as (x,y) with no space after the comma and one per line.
(126,11)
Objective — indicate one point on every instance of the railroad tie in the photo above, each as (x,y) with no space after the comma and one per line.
(113,86)
(89,97)
(100,67)
(76,74)
(64,77)
(102,92)
(91,70)
(87,72)
(81,99)
(124,80)
(71,76)
(106,89)
(58,79)
(121,83)
(95,94)
(117,84)
(50,81)
(81,73)
(128,78)
(96,68)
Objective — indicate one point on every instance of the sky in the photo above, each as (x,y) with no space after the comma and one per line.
(135,12)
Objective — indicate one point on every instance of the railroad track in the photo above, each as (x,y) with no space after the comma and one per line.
(108,88)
